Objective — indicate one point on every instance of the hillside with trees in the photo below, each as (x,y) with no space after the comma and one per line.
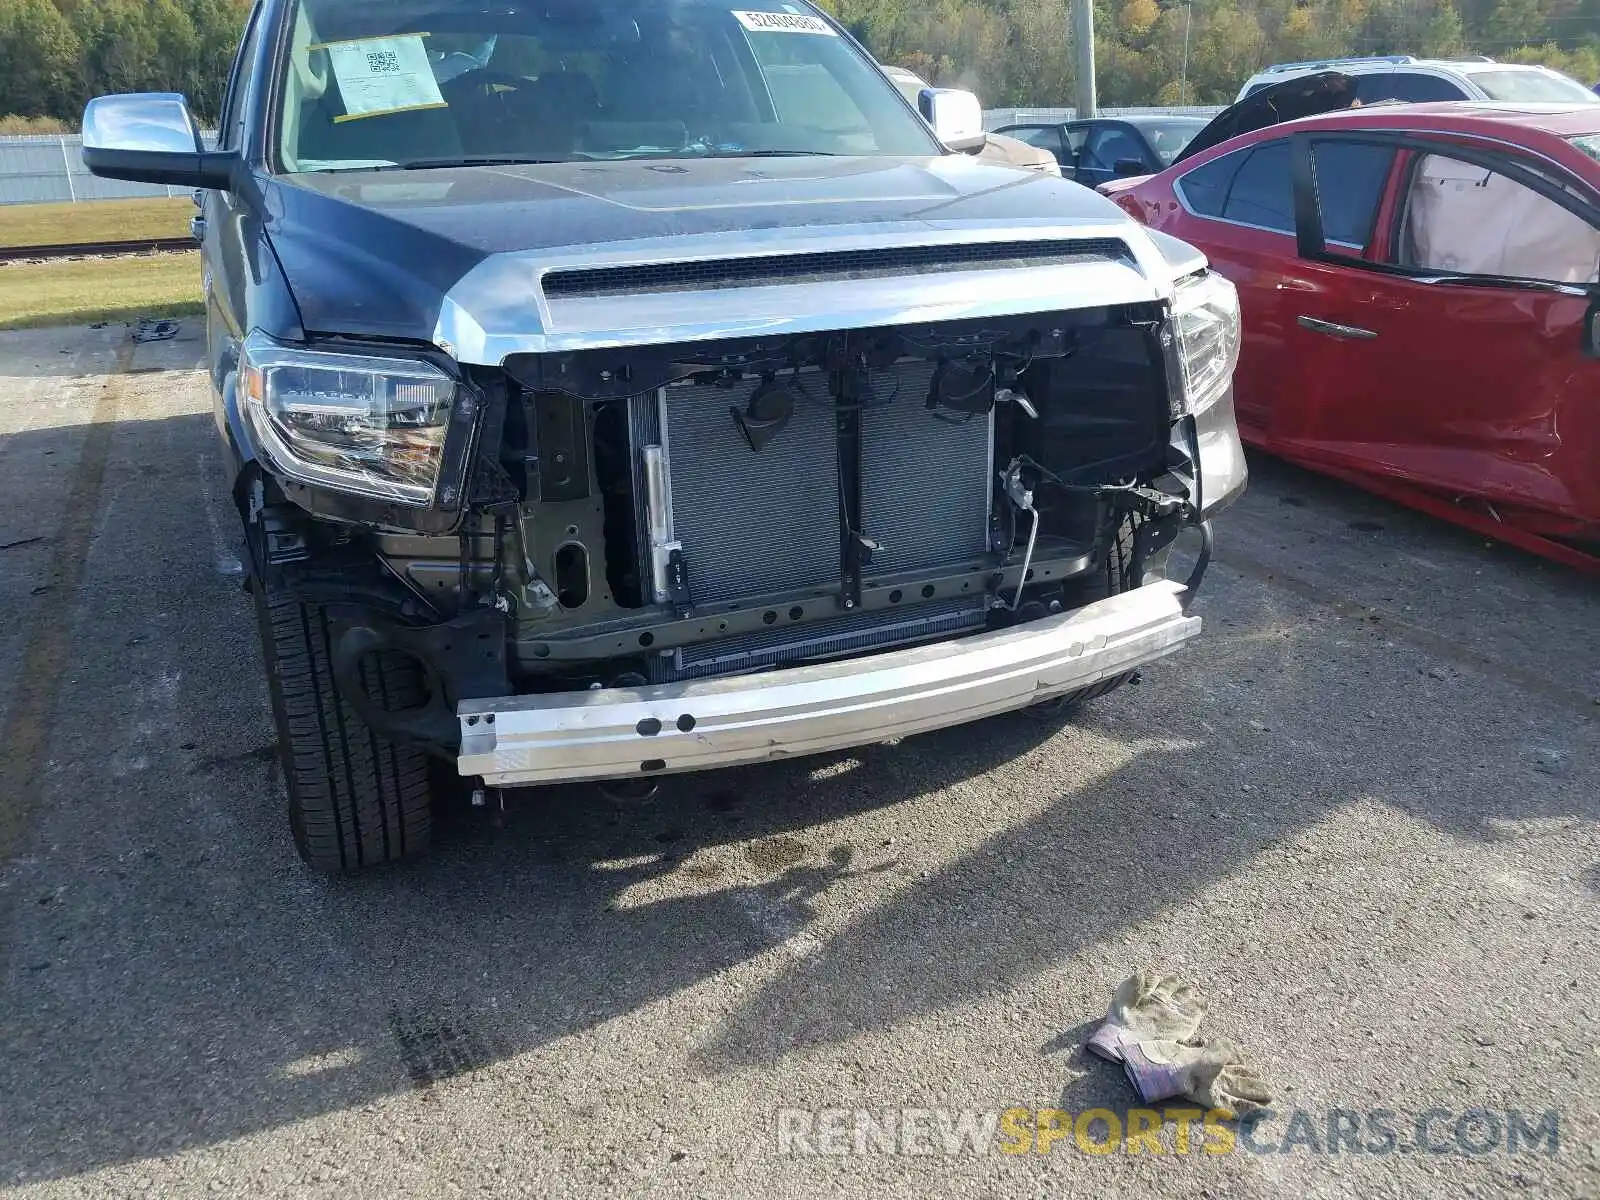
(1019,52)
(56,54)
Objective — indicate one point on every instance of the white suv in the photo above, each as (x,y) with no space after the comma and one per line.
(1419,80)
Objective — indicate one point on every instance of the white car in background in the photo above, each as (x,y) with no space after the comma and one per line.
(1415,80)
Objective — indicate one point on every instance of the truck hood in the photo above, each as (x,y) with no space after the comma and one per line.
(456,255)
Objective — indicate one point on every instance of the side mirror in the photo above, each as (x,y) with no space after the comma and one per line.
(1125,167)
(956,116)
(151,137)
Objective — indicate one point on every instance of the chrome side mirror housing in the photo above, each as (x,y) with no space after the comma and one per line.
(151,137)
(956,116)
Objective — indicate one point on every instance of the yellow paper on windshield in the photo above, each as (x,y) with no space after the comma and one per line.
(379,76)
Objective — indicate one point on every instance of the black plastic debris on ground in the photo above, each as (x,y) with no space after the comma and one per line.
(441,1043)
(154,329)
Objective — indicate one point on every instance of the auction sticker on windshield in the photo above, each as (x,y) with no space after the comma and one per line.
(379,76)
(777,22)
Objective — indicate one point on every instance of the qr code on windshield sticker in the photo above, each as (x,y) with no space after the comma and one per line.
(383,62)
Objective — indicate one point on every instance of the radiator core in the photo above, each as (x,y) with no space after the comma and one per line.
(753,524)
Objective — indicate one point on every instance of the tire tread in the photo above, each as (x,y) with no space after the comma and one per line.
(356,799)
(1114,577)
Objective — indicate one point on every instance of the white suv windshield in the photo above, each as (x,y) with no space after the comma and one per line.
(1533,87)
(422,83)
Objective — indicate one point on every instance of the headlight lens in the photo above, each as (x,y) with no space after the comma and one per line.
(359,423)
(1206,308)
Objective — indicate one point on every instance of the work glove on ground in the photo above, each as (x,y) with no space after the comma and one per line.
(1213,1075)
(1146,1006)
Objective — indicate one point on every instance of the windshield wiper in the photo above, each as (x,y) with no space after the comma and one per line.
(486,160)
(775,154)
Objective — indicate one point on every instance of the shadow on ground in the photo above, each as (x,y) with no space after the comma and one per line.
(178,982)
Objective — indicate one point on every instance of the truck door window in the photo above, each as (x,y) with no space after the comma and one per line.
(230,127)
(1465,219)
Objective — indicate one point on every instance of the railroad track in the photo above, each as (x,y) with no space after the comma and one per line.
(97,249)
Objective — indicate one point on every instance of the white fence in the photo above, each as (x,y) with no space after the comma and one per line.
(48,168)
(43,169)
(994,118)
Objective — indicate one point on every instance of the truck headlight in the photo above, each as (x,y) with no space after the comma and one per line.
(359,423)
(1206,309)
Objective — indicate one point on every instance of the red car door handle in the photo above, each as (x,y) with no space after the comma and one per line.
(1334,329)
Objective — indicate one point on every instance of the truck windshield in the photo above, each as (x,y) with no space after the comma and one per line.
(430,83)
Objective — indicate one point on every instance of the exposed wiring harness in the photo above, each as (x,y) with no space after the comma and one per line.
(1020,490)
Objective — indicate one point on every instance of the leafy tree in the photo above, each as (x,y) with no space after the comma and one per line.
(39,55)
(1444,33)
(56,54)
(39,58)
(1138,18)
(1516,23)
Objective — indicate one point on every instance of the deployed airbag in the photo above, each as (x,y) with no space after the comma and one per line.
(1471,221)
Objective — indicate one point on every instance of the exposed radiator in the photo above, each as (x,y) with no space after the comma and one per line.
(925,482)
(752,524)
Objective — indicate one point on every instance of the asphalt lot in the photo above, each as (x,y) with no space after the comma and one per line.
(1364,814)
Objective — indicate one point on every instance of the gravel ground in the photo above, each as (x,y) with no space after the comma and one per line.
(1363,814)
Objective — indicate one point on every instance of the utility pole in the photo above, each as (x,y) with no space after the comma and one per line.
(1083,45)
(1183,86)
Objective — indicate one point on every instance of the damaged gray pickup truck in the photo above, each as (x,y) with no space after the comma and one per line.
(624,387)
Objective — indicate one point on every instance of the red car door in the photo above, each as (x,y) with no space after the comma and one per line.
(1239,209)
(1453,355)
(1304,380)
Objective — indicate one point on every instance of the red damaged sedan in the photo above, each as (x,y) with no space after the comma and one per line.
(1420,287)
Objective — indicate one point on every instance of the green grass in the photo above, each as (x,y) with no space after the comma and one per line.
(94,221)
(87,291)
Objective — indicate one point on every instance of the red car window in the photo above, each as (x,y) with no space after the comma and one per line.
(1204,190)
(1261,194)
(1248,187)
(1350,177)
(1466,219)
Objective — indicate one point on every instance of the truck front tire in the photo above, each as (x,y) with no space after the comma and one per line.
(356,799)
(1111,578)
